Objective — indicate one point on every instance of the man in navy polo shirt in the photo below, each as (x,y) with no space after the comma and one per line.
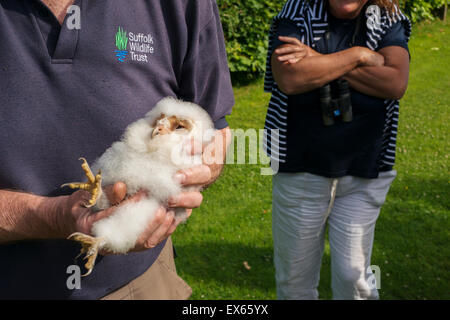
(73,75)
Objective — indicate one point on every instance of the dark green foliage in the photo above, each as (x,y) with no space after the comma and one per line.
(418,10)
(246,25)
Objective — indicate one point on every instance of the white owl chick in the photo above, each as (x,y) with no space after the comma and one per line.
(147,157)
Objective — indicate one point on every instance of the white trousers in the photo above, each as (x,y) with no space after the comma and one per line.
(302,205)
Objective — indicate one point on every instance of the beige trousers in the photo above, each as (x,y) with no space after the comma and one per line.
(159,282)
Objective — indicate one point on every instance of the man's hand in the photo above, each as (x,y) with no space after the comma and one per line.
(81,219)
(201,176)
(213,156)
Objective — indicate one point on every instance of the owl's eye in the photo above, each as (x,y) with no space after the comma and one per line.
(179,127)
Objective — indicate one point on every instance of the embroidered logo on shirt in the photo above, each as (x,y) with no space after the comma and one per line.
(121,44)
(138,46)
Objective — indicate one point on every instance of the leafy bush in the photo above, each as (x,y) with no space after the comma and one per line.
(418,10)
(246,25)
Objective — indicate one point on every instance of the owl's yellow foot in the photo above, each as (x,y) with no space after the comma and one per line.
(93,185)
(90,247)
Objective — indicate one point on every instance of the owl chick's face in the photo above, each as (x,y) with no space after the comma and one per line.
(171,125)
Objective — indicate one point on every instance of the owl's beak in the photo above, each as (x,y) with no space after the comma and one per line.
(159,130)
(156,131)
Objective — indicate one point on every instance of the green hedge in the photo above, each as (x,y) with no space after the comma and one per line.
(246,24)
(418,10)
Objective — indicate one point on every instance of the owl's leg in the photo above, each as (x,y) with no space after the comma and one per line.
(89,246)
(93,185)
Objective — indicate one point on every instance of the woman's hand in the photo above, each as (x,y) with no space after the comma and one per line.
(386,77)
(369,58)
(293,50)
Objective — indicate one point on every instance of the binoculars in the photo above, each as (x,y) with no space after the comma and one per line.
(336,107)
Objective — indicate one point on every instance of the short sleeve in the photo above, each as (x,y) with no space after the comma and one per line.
(286,28)
(205,76)
(395,36)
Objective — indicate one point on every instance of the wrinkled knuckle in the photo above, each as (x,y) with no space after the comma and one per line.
(149,244)
(73,207)
(188,172)
(170,214)
(170,233)
(196,200)
(159,218)
(200,198)
(169,219)
(208,172)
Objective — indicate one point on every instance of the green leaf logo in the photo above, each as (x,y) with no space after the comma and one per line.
(121,44)
(121,39)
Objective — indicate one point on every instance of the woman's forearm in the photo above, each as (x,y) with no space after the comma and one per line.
(314,71)
(382,74)
(25,216)
(381,82)
(388,81)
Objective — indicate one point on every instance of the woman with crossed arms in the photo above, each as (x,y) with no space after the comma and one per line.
(336,69)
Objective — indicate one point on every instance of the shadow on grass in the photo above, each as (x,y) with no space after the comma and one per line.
(225,263)
(411,240)
(433,192)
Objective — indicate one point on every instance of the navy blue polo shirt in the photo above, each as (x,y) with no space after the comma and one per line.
(70,91)
(352,148)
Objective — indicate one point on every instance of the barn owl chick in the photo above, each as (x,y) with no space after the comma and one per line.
(146,158)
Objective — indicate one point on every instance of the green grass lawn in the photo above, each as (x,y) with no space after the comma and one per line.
(233,226)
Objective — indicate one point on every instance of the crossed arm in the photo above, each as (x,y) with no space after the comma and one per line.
(384,74)
(25,216)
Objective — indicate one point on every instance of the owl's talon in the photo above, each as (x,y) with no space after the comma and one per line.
(90,246)
(93,185)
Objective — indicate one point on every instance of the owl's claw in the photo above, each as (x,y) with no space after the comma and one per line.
(89,246)
(93,185)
